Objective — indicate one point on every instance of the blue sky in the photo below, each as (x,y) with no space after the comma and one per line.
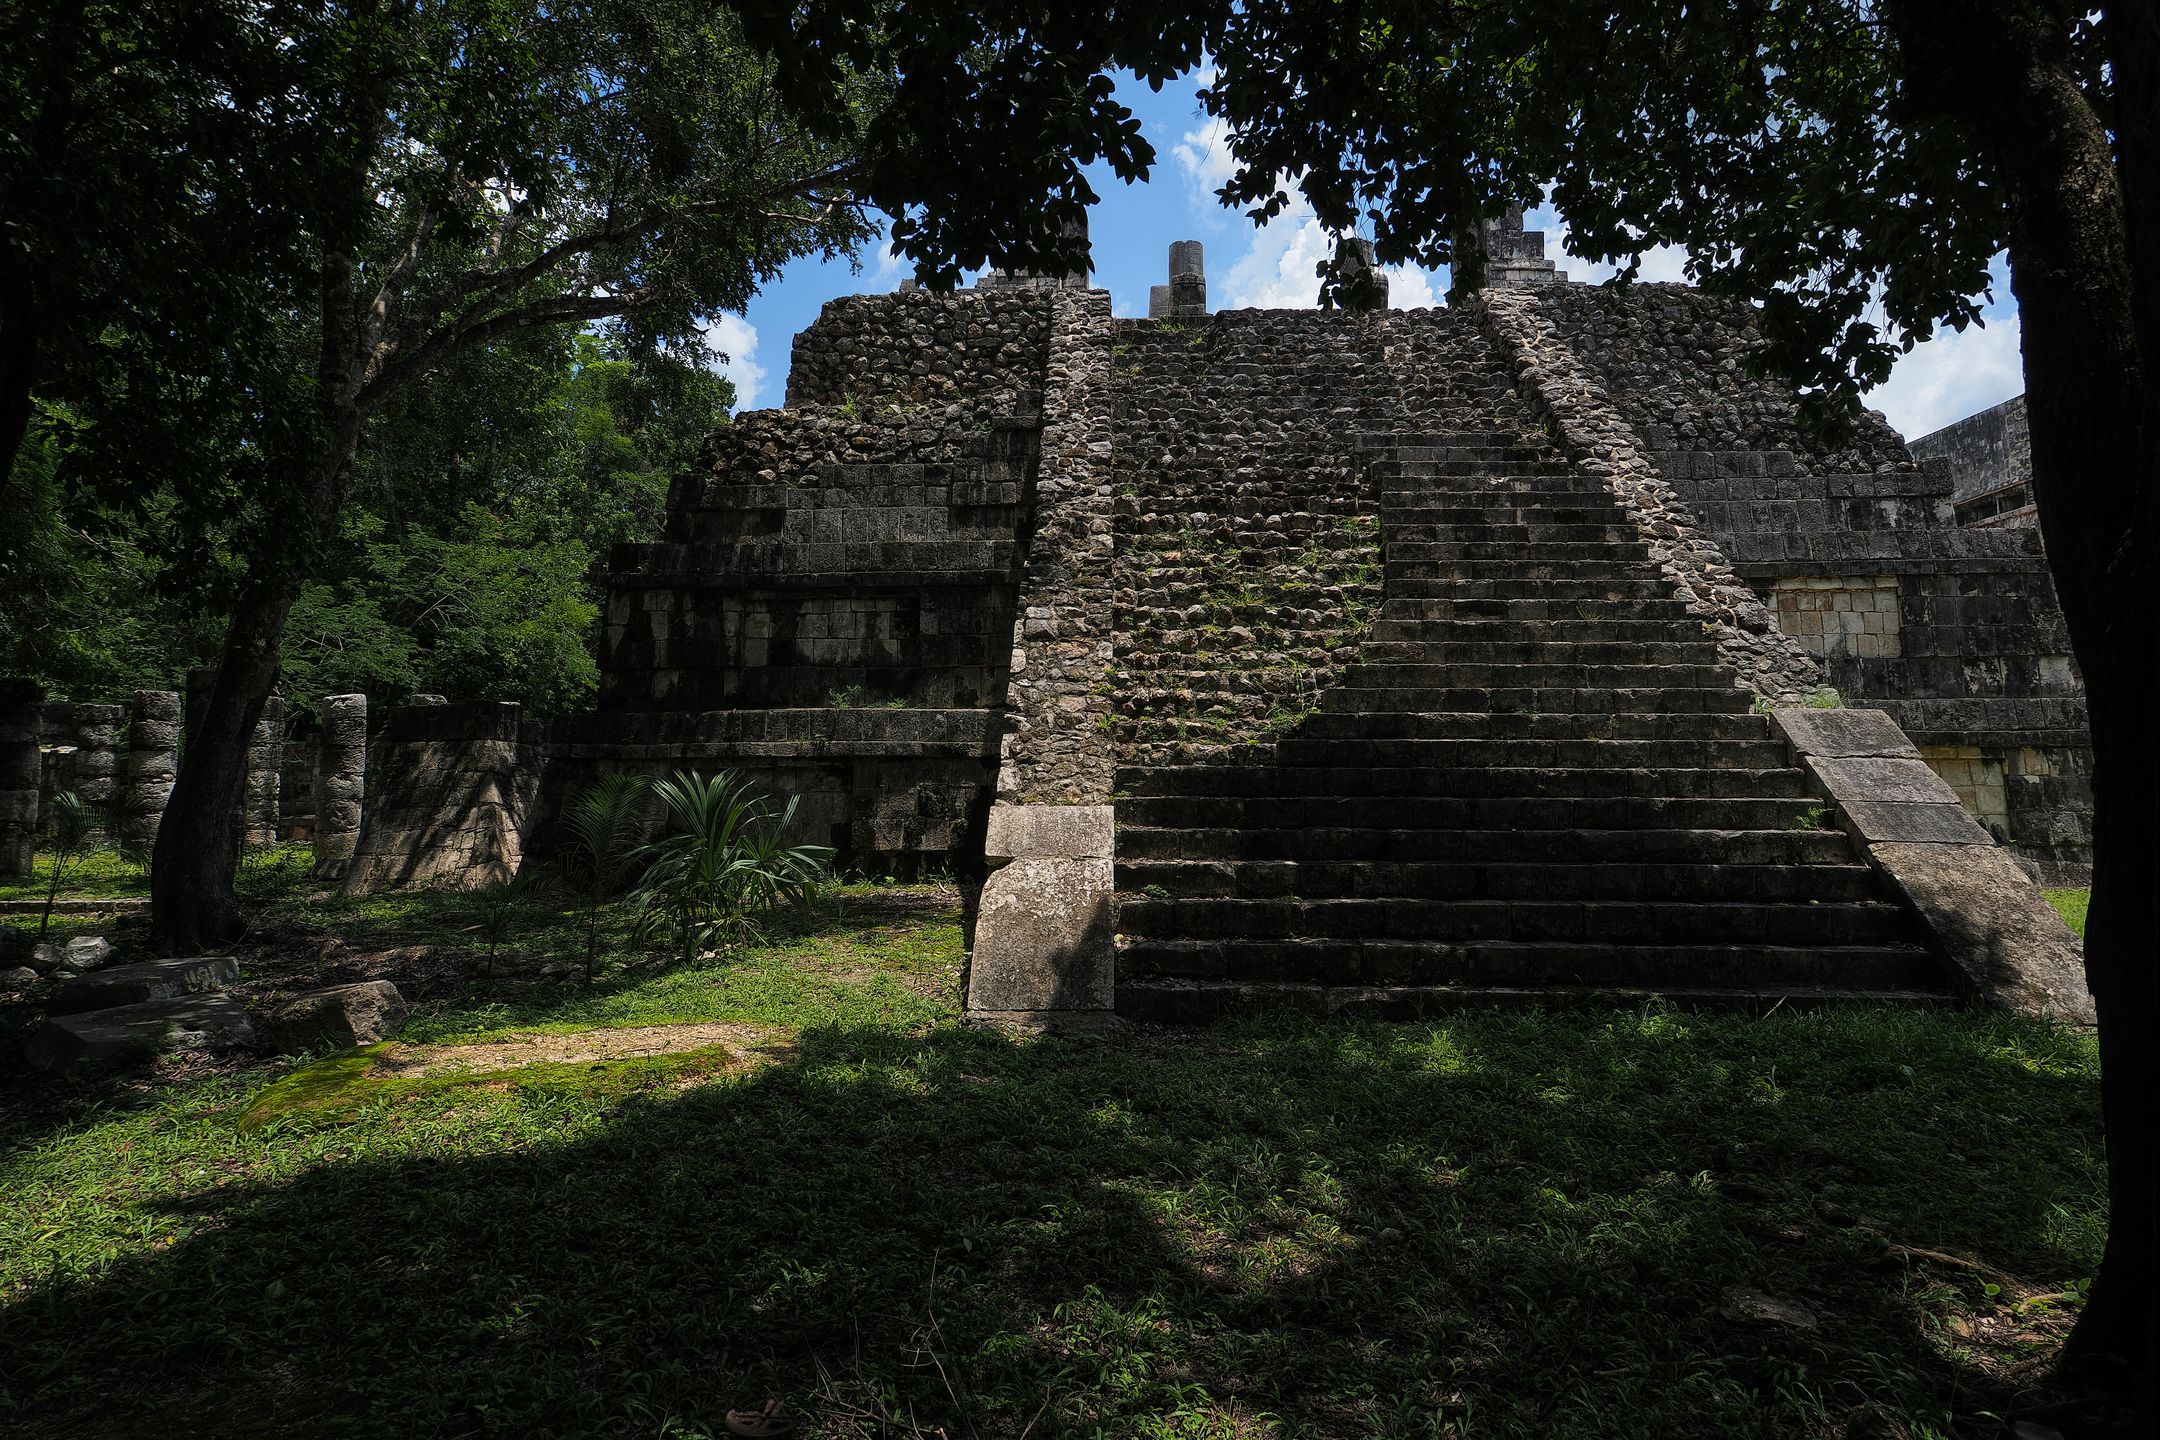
(1272,266)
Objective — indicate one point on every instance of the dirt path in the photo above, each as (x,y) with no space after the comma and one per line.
(747,1043)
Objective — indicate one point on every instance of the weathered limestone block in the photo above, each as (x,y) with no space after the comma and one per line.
(21,769)
(110,1039)
(83,952)
(148,980)
(340,783)
(2005,944)
(1045,951)
(456,785)
(337,1017)
(153,760)
(266,752)
(2008,944)
(97,754)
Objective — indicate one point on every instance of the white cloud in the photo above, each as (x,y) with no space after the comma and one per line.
(1662,264)
(1951,376)
(1204,155)
(1280,269)
(733,342)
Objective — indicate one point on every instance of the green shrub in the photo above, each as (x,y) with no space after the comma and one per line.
(600,850)
(72,823)
(724,867)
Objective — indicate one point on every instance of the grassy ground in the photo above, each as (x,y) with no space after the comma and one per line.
(1852,1223)
(98,875)
(2070,904)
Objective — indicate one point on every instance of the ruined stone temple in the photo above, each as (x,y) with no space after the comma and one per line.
(1350,659)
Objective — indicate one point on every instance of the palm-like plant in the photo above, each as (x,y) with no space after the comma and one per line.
(724,865)
(72,822)
(600,850)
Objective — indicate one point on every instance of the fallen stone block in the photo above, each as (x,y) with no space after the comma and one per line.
(131,1034)
(20,977)
(338,1016)
(148,980)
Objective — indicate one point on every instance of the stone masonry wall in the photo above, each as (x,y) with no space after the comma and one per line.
(1674,361)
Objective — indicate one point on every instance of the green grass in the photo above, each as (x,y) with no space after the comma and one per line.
(97,875)
(2071,904)
(1497,1225)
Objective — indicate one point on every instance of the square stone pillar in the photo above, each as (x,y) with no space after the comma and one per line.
(1045,951)
(22,713)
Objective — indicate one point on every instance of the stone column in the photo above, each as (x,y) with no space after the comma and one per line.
(1361,284)
(259,809)
(97,756)
(21,714)
(340,783)
(153,759)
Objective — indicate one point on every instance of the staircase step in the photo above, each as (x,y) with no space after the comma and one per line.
(1702,729)
(1441,649)
(1614,880)
(1339,781)
(1574,700)
(1654,923)
(1592,589)
(1546,963)
(1433,615)
(1467,812)
(1560,628)
(1186,1002)
(1541,846)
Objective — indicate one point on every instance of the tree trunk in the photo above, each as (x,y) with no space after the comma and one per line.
(2004,73)
(191,869)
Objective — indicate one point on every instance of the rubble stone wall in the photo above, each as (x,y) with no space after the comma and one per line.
(866,352)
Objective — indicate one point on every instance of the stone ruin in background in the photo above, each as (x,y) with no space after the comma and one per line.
(1009,579)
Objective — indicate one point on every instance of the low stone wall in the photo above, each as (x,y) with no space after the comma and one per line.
(893,792)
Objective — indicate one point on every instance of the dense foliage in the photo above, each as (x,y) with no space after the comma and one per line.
(467,564)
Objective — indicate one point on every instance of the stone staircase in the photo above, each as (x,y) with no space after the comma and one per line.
(1534,781)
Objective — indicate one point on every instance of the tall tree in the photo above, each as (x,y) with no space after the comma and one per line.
(1853,164)
(448,173)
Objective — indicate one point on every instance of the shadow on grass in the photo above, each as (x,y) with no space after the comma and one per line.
(1505,1225)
